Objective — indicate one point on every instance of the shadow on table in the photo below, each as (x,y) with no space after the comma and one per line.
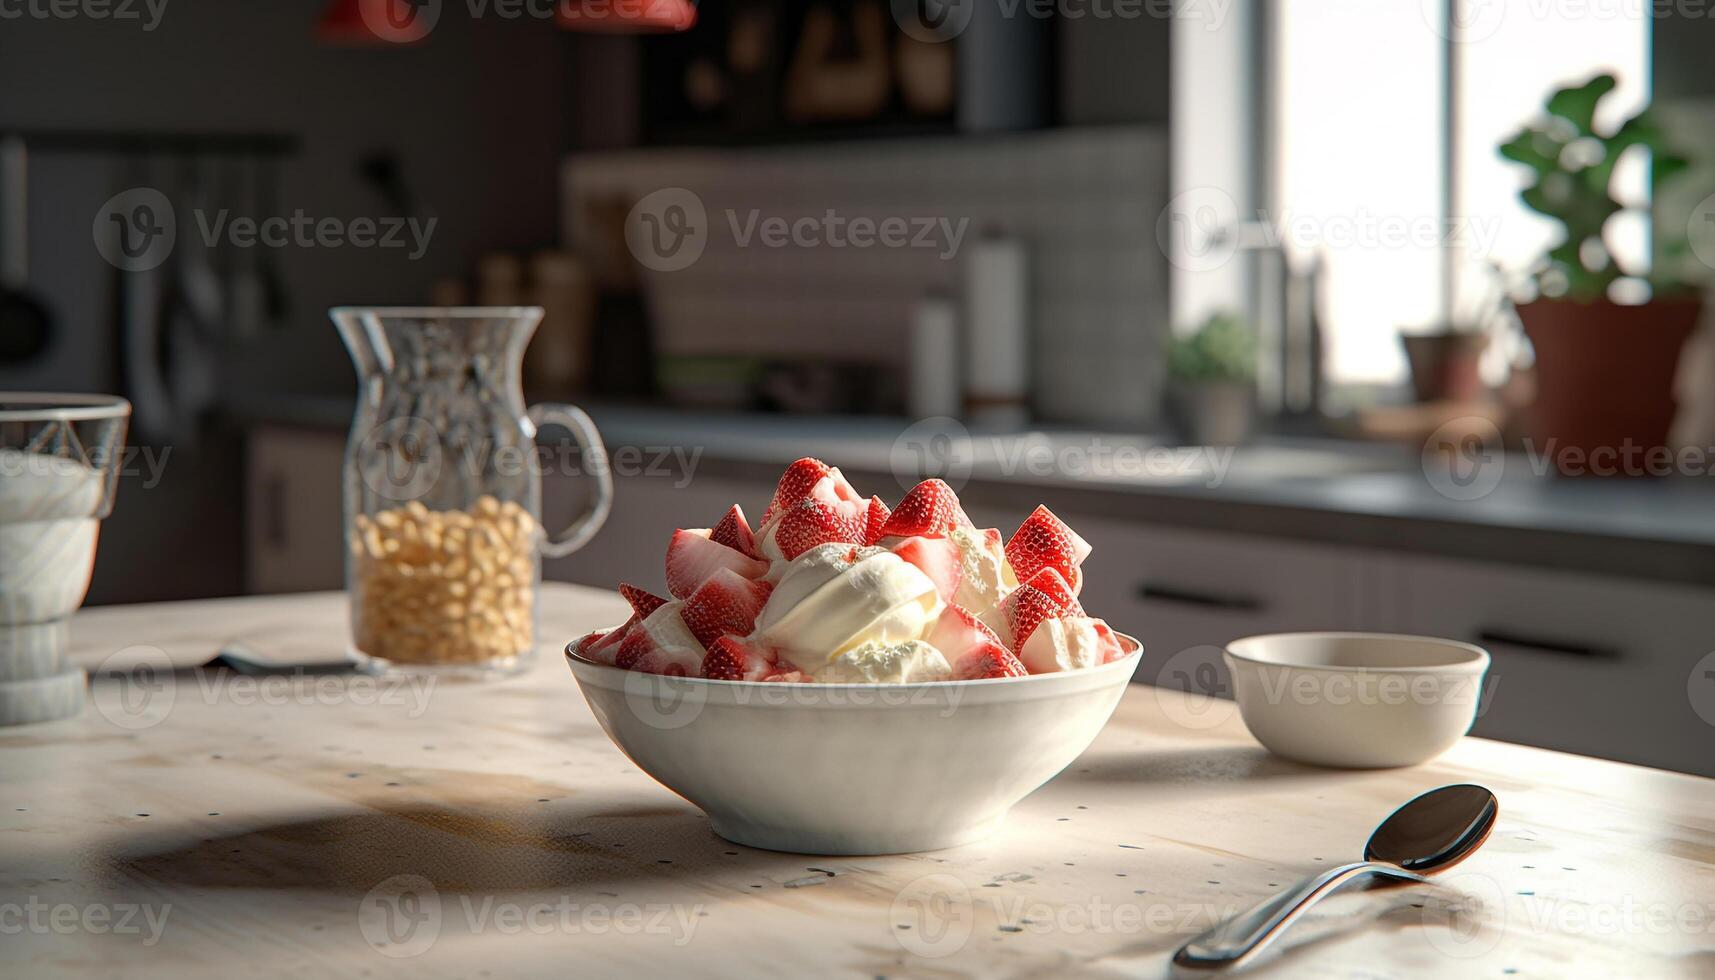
(464,850)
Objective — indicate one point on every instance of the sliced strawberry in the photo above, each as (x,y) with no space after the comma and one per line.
(661,644)
(692,558)
(988,660)
(1112,648)
(959,630)
(793,676)
(732,659)
(930,508)
(814,522)
(1044,541)
(1025,608)
(1054,585)
(594,646)
(796,485)
(875,522)
(734,532)
(839,486)
(726,603)
(938,558)
(642,601)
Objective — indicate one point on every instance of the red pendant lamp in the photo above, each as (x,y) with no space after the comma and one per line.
(626,16)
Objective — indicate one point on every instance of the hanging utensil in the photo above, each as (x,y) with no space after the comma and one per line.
(26,326)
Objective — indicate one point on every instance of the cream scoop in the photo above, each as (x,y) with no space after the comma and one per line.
(835,597)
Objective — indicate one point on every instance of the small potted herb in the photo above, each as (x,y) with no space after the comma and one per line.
(1212,382)
(1607,338)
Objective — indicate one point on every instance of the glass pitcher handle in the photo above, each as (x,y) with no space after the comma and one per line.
(573,420)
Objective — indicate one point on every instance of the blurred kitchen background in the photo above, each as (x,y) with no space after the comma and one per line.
(1284,235)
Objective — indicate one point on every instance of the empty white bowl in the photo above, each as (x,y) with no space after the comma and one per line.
(853,768)
(1357,700)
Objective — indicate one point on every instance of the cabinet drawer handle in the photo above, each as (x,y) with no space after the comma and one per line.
(1206,600)
(1545,645)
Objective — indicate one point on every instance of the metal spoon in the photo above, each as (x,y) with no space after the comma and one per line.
(1431,833)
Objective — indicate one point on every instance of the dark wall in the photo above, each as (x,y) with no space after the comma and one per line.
(478,113)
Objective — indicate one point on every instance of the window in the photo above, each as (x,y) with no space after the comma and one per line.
(1396,185)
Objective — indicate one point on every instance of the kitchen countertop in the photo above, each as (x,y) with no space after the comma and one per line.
(1329,491)
(198,824)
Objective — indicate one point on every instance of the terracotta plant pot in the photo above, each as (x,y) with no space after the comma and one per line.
(1444,366)
(1604,375)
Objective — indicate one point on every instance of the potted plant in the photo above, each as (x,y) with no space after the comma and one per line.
(1604,367)
(1212,381)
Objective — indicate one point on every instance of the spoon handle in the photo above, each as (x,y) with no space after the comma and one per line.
(1249,931)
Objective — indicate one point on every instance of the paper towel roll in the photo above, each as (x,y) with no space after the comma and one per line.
(997,334)
(933,386)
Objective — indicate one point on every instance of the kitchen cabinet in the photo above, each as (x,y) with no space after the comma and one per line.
(294,511)
(1581,663)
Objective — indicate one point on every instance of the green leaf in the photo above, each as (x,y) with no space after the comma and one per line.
(1577,104)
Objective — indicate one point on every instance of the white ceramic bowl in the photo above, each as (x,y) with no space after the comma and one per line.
(853,768)
(1357,700)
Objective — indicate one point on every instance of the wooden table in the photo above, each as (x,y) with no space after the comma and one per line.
(211,824)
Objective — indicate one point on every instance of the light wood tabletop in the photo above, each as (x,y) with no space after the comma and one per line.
(210,824)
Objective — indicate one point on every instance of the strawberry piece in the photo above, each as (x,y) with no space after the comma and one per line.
(726,603)
(1025,608)
(642,602)
(813,522)
(793,676)
(796,485)
(732,659)
(661,644)
(1044,541)
(971,648)
(1054,585)
(875,522)
(693,558)
(939,559)
(1112,648)
(930,508)
(595,645)
(989,660)
(734,532)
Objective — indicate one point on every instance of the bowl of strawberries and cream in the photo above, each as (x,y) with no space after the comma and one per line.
(847,677)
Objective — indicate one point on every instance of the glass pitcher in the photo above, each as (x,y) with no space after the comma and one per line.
(443,489)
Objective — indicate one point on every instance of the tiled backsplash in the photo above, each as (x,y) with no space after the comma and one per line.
(1084,200)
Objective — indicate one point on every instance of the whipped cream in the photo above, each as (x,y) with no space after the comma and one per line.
(1069,643)
(836,597)
(987,576)
(877,662)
